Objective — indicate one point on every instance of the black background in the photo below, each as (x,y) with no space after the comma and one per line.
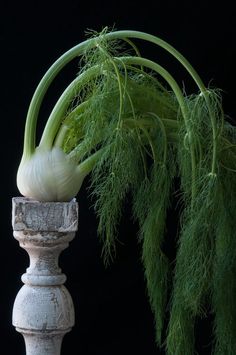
(112,312)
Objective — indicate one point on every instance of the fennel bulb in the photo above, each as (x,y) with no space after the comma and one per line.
(48,175)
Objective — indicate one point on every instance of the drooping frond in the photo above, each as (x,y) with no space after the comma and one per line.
(224,267)
(115,115)
(150,208)
(128,113)
(198,236)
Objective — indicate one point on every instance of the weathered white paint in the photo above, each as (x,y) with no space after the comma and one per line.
(43,310)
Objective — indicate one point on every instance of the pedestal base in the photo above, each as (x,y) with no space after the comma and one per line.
(38,343)
(43,310)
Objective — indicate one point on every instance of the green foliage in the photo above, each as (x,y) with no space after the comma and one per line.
(117,172)
(203,224)
(224,268)
(125,110)
(150,208)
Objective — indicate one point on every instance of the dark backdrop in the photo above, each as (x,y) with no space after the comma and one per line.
(112,312)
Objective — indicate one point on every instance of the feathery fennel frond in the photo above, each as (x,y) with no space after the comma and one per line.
(224,267)
(193,269)
(113,177)
(151,201)
(195,255)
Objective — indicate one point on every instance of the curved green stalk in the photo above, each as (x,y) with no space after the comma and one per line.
(136,129)
(64,128)
(120,91)
(31,120)
(149,140)
(149,76)
(158,41)
(36,101)
(166,75)
(135,48)
(87,165)
(59,110)
(163,130)
(179,96)
(119,83)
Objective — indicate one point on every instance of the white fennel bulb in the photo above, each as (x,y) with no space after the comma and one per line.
(48,175)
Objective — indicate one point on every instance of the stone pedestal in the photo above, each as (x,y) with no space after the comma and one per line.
(43,311)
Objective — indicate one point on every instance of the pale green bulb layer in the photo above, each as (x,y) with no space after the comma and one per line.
(49,176)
